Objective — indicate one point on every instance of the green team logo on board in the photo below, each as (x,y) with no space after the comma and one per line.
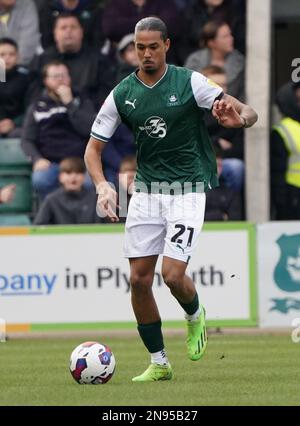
(155,127)
(287,272)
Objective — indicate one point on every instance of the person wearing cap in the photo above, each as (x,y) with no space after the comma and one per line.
(127,58)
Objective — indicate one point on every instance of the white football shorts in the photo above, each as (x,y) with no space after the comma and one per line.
(164,224)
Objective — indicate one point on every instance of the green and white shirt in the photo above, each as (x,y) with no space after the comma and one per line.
(172,141)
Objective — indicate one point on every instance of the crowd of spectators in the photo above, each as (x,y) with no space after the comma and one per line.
(62,58)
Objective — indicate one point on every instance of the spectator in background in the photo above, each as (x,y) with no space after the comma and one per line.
(202,11)
(19,21)
(229,142)
(218,50)
(128,62)
(57,125)
(120,16)
(120,145)
(7,193)
(71,203)
(88,11)
(127,173)
(90,70)
(285,164)
(13,92)
(222,203)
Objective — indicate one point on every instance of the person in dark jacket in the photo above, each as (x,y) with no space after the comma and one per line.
(222,203)
(90,70)
(120,16)
(56,126)
(13,92)
(88,11)
(120,145)
(71,203)
(199,12)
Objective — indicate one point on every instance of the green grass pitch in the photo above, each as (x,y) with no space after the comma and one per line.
(236,370)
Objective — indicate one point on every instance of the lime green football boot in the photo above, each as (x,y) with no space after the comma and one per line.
(197,337)
(154,373)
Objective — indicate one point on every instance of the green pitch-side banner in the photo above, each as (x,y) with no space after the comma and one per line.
(76,277)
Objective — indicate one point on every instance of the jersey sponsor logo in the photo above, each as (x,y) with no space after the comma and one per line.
(155,127)
(130,103)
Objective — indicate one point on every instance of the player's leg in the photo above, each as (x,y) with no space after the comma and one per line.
(183,289)
(144,241)
(185,220)
(148,318)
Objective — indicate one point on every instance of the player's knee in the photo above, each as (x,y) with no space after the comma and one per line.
(172,279)
(141,283)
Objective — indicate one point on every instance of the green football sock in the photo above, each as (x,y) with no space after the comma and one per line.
(192,307)
(151,335)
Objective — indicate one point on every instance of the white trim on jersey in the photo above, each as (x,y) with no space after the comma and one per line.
(107,120)
(151,87)
(204,90)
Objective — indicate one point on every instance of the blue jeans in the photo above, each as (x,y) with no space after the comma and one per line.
(233,173)
(46,181)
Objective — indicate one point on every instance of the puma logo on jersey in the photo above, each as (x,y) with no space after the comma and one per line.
(131,103)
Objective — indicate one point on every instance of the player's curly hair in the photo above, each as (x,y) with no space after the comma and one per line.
(152,23)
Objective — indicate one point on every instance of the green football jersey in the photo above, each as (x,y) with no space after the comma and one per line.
(173,145)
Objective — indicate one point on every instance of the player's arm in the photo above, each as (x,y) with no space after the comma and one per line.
(225,108)
(232,113)
(103,128)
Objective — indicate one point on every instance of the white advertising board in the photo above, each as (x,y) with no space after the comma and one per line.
(71,278)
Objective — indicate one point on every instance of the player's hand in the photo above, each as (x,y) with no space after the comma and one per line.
(226,115)
(107,201)
(7,193)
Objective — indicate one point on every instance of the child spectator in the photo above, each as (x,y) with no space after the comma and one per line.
(71,203)
(13,92)
(128,62)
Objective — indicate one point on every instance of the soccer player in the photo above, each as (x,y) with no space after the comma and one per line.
(163,105)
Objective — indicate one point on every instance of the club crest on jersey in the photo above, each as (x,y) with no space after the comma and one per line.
(173,100)
(155,127)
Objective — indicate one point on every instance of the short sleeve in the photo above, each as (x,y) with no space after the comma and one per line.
(205,91)
(107,120)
